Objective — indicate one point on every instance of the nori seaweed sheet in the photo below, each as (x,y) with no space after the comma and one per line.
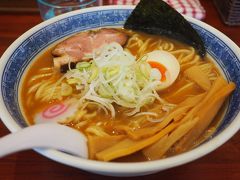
(157,17)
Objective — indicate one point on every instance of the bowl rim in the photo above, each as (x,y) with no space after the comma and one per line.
(114,167)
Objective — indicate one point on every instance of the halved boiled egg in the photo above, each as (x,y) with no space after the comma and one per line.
(165,67)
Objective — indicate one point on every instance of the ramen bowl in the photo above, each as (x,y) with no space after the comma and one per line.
(21,53)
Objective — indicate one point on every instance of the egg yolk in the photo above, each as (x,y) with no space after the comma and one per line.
(162,69)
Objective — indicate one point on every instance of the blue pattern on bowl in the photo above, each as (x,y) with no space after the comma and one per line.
(23,55)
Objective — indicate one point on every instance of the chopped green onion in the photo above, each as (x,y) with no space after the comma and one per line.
(113,76)
(82,65)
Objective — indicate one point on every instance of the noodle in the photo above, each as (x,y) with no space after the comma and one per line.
(116,128)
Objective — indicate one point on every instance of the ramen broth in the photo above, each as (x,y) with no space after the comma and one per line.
(114,126)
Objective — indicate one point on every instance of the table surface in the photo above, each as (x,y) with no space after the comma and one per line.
(223,163)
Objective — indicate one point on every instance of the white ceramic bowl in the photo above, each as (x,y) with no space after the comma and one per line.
(18,56)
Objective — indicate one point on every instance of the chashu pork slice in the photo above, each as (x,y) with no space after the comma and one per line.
(77,47)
